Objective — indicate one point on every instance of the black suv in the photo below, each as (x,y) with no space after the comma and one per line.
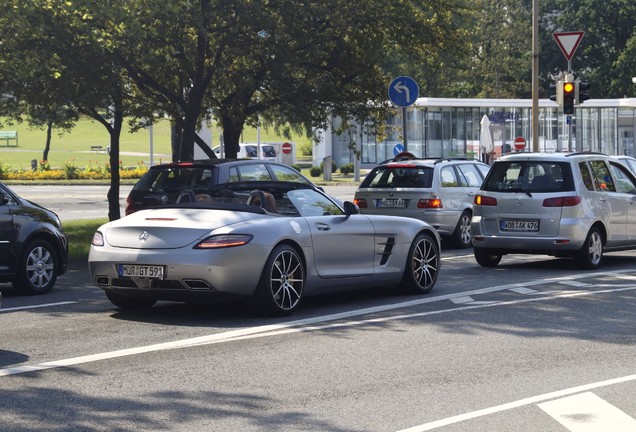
(33,246)
(163,184)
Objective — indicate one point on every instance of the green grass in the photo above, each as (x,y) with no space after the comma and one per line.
(80,233)
(74,146)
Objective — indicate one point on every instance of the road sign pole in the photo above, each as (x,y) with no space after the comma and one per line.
(403,92)
(406,148)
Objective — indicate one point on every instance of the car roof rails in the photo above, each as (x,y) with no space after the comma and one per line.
(448,159)
(586,152)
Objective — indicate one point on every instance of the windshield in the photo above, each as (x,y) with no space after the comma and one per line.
(529,176)
(175,179)
(399,176)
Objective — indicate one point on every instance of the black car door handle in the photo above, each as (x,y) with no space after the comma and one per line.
(323,226)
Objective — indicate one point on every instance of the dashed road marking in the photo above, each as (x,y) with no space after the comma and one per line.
(587,412)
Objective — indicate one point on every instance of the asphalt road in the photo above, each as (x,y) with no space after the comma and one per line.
(531,345)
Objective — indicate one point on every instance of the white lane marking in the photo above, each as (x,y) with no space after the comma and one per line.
(525,291)
(574,283)
(520,403)
(469,299)
(587,412)
(462,300)
(308,324)
(36,306)
(457,257)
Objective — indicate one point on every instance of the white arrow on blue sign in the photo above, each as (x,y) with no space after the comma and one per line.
(403,91)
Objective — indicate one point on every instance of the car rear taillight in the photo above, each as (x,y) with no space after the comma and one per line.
(360,202)
(485,200)
(434,202)
(130,206)
(224,241)
(567,201)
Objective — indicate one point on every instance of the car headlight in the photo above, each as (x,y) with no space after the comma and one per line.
(224,241)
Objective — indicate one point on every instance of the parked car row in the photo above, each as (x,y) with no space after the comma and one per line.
(259,230)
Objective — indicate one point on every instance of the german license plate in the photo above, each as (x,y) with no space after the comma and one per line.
(391,203)
(519,225)
(137,270)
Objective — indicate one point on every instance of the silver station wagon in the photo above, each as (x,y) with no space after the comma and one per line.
(437,191)
(576,205)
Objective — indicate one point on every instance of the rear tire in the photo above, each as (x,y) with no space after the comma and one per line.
(37,268)
(422,265)
(280,289)
(462,237)
(125,302)
(591,254)
(487,257)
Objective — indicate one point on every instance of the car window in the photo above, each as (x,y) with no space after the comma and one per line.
(529,176)
(470,175)
(447,177)
(8,195)
(250,172)
(624,183)
(601,176)
(586,175)
(283,173)
(308,202)
(174,179)
(250,151)
(399,176)
(268,151)
(483,169)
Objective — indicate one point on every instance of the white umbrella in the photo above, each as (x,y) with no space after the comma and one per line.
(485,137)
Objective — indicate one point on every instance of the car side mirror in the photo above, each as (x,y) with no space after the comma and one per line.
(350,208)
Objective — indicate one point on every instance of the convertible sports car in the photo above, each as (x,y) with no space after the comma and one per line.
(272,243)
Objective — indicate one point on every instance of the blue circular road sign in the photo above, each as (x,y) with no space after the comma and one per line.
(403,91)
(397,149)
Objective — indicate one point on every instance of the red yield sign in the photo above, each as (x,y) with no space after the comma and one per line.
(286,148)
(520,143)
(568,42)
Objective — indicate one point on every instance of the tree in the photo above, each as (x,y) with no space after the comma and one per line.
(605,55)
(289,61)
(58,69)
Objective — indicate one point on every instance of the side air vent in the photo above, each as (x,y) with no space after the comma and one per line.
(387,250)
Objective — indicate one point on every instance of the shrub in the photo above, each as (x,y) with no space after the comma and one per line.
(334,167)
(296,167)
(315,171)
(71,170)
(346,168)
(305,148)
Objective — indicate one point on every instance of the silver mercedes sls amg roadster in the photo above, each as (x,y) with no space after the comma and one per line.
(271,243)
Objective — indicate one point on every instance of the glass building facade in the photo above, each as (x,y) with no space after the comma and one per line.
(438,128)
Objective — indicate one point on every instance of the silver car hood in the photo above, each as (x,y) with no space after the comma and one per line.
(168,228)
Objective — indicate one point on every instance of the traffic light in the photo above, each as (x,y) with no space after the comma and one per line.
(569,93)
(557,96)
(581,94)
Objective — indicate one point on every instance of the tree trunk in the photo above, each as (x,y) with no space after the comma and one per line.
(47,145)
(113,193)
(232,129)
